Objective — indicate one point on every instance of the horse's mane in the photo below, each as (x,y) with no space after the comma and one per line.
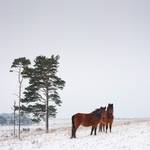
(96,110)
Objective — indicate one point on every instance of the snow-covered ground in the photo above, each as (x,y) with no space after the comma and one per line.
(127,134)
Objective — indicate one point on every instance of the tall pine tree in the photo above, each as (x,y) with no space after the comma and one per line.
(41,96)
(18,66)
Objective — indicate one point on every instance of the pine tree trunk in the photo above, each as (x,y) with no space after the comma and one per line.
(47,123)
(19,113)
(14,120)
(20,83)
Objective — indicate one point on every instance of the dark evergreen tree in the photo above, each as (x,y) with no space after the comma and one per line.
(41,96)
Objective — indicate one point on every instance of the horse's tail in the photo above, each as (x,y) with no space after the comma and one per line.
(73,127)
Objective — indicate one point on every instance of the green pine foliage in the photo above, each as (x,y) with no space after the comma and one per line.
(41,95)
(22,61)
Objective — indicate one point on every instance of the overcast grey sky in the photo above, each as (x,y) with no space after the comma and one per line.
(104,47)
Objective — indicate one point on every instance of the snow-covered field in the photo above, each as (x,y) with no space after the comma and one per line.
(127,134)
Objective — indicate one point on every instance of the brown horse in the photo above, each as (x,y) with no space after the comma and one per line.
(88,119)
(106,119)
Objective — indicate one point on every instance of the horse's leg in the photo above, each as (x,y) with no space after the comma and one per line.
(95,130)
(100,127)
(72,133)
(92,130)
(110,125)
(103,127)
(73,127)
(106,127)
(77,126)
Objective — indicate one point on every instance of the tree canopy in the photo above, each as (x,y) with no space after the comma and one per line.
(41,95)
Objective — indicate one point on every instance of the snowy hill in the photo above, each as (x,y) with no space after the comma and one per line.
(127,134)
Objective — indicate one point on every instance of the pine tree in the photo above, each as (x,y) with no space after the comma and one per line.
(18,66)
(41,96)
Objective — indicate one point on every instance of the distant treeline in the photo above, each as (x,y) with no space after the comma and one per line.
(8,119)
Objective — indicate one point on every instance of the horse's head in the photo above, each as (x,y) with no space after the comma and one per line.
(110,108)
(103,112)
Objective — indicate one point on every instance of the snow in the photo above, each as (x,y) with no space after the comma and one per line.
(127,134)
